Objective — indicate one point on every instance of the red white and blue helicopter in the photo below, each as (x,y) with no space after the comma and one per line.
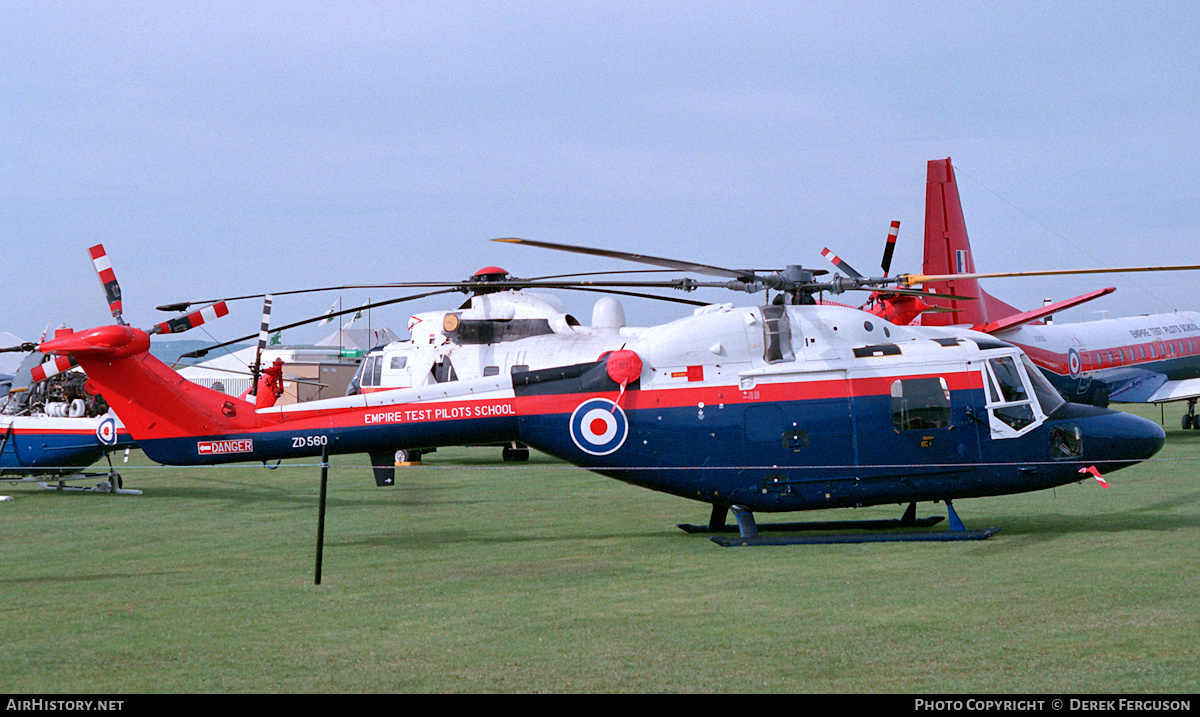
(784,406)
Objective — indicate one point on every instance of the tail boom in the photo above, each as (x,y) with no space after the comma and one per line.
(152,399)
(177,422)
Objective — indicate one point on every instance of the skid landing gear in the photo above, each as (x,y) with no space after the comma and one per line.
(113,484)
(749,531)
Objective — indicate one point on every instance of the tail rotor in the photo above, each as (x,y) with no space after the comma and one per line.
(112,292)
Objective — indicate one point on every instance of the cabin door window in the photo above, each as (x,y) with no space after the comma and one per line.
(920,403)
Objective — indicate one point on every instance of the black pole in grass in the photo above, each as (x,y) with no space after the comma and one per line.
(321,514)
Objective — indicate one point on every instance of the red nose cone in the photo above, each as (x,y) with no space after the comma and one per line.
(624,366)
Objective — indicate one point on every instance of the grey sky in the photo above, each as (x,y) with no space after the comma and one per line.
(224,148)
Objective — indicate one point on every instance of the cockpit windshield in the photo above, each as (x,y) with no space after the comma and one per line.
(1048,396)
(1015,395)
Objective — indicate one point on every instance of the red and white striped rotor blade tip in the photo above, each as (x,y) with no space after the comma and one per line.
(108,279)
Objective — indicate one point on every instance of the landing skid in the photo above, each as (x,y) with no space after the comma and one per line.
(109,486)
(748,530)
(112,485)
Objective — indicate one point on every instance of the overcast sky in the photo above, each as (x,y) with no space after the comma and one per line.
(226,148)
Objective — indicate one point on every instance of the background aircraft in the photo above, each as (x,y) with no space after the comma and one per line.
(54,424)
(52,430)
(1138,359)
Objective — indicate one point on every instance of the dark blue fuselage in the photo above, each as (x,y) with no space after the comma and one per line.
(834,453)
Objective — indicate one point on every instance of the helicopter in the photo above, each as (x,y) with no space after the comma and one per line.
(786,406)
(52,429)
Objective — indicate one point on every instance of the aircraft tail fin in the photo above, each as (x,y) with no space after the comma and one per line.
(153,401)
(948,251)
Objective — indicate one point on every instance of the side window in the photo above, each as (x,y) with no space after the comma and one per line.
(920,403)
(369,376)
(398,362)
(377,371)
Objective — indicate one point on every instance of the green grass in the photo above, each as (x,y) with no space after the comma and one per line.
(477,576)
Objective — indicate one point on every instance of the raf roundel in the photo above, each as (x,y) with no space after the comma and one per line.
(1074,365)
(599,426)
(107,431)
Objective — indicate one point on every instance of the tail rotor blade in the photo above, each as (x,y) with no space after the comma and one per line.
(108,279)
(264,331)
(192,320)
(889,247)
(265,328)
(53,367)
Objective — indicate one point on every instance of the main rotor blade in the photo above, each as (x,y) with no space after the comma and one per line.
(201,352)
(911,279)
(840,263)
(183,305)
(596,273)
(635,294)
(918,292)
(747,276)
(462,286)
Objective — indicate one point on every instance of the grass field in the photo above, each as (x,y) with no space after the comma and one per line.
(476,576)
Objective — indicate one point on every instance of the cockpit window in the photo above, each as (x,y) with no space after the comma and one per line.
(369,371)
(1011,405)
(1048,396)
(1005,371)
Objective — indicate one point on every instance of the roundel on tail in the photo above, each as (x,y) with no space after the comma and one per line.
(599,426)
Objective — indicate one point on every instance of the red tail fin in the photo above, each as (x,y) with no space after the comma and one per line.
(947,251)
(152,400)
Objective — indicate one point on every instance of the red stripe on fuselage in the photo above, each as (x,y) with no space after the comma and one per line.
(1098,359)
(547,404)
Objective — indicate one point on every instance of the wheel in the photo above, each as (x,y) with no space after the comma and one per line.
(511,454)
(408,455)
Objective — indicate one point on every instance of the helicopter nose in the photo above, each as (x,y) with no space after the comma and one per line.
(1114,439)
